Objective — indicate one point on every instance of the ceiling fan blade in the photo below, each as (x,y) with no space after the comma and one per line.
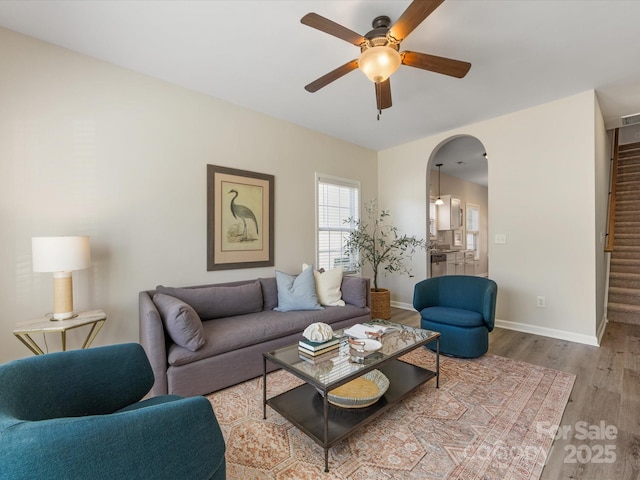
(332,28)
(383,94)
(413,16)
(331,76)
(445,66)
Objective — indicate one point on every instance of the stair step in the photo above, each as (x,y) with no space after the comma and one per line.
(631,253)
(628,147)
(634,152)
(634,262)
(627,186)
(630,153)
(626,216)
(628,177)
(624,296)
(634,231)
(625,242)
(615,280)
(626,236)
(627,249)
(627,230)
(627,300)
(626,206)
(628,168)
(621,316)
(624,265)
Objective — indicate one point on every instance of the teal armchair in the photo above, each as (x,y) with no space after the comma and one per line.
(462,308)
(79,415)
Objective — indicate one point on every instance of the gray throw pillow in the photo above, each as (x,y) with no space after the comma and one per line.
(354,291)
(181,321)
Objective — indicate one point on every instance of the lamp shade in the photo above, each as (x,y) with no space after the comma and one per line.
(60,254)
(378,63)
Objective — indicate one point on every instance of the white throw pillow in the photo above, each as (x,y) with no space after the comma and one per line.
(328,285)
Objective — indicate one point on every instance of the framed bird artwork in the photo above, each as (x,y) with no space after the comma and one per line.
(239,218)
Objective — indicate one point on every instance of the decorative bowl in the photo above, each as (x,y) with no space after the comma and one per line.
(365,345)
(362,392)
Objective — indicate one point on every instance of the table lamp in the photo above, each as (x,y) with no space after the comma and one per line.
(61,255)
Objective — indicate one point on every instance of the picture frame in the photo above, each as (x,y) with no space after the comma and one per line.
(240,226)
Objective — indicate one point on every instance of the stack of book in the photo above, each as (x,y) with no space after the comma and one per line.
(313,349)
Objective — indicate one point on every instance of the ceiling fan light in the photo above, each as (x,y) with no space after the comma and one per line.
(379,63)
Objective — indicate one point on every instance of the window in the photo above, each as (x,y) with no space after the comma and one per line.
(472,226)
(337,200)
(433,211)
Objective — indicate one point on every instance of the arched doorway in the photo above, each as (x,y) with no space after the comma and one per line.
(460,225)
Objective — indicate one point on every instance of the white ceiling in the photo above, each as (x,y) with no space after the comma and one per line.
(258,55)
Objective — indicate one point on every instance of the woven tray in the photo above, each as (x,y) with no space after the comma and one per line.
(362,392)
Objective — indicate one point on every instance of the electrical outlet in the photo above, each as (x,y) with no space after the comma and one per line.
(541,302)
(500,238)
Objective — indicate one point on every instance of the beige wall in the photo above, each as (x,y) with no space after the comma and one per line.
(542,195)
(87,148)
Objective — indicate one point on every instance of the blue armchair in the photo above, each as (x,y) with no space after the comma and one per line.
(78,415)
(462,308)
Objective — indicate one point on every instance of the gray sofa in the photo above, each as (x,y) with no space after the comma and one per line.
(238,325)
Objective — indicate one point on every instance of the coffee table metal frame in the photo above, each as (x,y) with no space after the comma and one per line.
(307,406)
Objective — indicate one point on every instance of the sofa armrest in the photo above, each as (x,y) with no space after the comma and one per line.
(425,294)
(150,442)
(154,342)
(489,305)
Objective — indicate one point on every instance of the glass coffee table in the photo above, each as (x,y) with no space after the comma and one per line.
(307,406)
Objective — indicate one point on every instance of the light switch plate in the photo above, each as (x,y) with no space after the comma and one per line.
(500,238)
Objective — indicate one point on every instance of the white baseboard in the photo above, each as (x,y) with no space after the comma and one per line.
(603,327)
(549,332)
(536,330)
(402,305)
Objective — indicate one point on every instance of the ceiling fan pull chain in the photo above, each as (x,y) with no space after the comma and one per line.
(378,99)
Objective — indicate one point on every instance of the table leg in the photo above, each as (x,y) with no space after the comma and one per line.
(438,362)
(264,388)
(326,432)
(29,343)
(95,328)
(64,340)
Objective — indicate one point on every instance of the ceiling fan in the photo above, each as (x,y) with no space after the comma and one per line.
(380,54)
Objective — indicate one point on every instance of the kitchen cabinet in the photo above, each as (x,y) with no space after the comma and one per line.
(450,213)
(470,263)
(455,263)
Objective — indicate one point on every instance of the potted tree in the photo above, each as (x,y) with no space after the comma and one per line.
(376,242)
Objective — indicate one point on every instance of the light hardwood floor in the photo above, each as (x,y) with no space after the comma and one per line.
(606,393)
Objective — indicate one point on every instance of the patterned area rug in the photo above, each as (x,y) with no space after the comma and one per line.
(482,423)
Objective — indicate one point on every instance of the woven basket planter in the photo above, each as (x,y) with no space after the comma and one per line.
(381,303)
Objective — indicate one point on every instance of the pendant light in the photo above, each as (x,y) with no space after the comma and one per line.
(439,201)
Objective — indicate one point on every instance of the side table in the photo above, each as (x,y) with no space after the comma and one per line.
(23,330)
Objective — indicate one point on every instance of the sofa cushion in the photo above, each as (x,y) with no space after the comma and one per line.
(219,301)
(328,284)
(453,316)
(269,293)
(181,321)
(297,292)
(246,330)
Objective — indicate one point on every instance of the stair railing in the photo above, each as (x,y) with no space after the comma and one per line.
(612,194)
